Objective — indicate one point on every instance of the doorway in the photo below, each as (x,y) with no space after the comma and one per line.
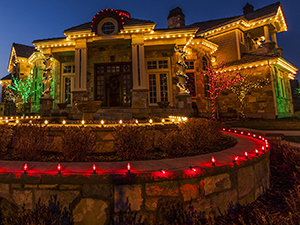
(113,84)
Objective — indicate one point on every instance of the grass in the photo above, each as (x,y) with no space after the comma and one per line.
(264,124)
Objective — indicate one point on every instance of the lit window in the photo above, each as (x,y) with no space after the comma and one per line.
(151,65)
(163,64)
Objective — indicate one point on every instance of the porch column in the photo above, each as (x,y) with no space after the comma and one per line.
(80,69)
(80,79)
(139,89)
(46,102)
(274,39)
(267,33)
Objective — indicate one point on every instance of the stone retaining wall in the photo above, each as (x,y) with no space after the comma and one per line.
(98,199)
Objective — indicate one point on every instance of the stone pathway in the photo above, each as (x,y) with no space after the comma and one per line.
(245,143)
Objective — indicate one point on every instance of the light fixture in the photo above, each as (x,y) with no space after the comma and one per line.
(59,169)
(213,161)
(94,169)
(25,168)
(128,167)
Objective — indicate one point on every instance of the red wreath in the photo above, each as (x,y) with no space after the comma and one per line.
(114,83)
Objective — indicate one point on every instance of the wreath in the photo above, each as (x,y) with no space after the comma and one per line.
(114,83)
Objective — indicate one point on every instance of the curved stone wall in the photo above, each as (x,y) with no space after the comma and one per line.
(97,199)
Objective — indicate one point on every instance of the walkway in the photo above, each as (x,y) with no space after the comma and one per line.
(276,133)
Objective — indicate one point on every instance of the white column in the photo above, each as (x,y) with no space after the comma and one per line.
(267,33)
(80,69)
(135,67)
(274,39)
(142,73)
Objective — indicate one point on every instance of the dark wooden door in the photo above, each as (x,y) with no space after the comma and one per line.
(113,82)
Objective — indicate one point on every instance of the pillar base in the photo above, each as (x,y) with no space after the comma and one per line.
(46,105)
(184,101)
(139,99)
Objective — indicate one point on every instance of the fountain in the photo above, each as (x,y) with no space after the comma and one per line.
(87,108)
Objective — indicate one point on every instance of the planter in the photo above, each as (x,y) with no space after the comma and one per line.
(62,105)
(87,108)
(163,104)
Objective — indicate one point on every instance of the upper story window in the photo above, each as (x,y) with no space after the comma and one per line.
(107,26)
(151,65)
(190,65)
(68,69)
(157,64)
(163,64)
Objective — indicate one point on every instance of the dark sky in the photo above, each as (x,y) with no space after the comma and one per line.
(24,21)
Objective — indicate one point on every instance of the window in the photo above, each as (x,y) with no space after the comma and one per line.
(68,72)
(190,72)
(108,28)
(158,87)
(151,65)
(205,79)
(163,64)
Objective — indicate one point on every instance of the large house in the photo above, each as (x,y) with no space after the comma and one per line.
(136,70)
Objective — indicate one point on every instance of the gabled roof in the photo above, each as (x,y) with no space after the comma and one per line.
(251,58)
(23,50)
(262,12)
(127,21)
(7,77)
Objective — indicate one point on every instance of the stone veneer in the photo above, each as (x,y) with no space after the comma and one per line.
(97,199)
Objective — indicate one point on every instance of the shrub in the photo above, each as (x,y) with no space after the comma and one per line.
(30,140)
(195,135)
(200,133)
(131,141)
(5,136)
(77,143)
(42,214)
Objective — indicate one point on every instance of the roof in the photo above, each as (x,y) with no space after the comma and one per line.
(267,10)
(251,58)
(49,39)
(127,21)
(23,50)
(7,77)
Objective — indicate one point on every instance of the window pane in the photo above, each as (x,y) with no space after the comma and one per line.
(191,84)
(152,88)
(190,65)
(68,90)
(151,65)
(163,64)
(163,79)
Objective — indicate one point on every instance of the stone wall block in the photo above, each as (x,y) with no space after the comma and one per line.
(165,188)
(64,197)
(128,194)
(23,197)
(4,190)
(93,190)
(91,211)
(216,183)
(189,189)
(224,200)
(246,180)
(151,203)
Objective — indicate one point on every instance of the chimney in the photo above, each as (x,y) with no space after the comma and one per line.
(248,9)
(176,18)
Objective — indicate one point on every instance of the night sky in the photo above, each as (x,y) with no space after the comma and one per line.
(24,21)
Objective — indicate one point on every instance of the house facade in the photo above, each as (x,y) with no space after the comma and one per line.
(135,70)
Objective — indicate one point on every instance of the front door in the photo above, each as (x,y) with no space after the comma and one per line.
(113,83)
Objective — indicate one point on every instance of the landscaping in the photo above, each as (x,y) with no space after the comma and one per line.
(36,142)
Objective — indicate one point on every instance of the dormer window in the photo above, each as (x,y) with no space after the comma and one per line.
(107,26)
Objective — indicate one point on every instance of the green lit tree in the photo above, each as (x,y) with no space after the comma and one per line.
(244,86)
(24,88)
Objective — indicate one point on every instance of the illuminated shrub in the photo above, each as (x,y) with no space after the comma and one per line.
(30,140)
(77,143)
(5,136)
(131,142)
(195,135)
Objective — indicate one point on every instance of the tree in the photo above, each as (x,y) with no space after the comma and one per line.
(24,88)
(245,85)
(218,81)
